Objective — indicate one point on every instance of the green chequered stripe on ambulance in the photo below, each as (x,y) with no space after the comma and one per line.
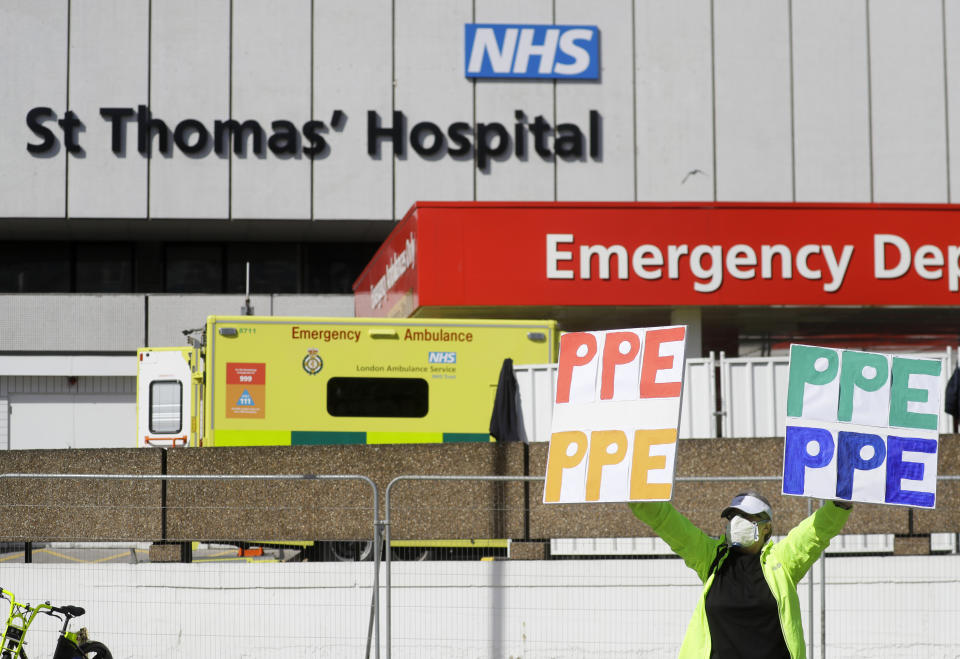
(304,438)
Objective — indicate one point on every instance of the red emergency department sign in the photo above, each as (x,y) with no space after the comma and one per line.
(569,254)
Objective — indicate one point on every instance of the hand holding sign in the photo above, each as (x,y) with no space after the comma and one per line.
(862,427)
(615,416)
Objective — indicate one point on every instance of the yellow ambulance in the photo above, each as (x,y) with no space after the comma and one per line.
(257,381)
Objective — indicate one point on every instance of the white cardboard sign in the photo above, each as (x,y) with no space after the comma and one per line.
(615,416)
(862,426)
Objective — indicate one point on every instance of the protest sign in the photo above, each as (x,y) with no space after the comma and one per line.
(862,426)
(615,416)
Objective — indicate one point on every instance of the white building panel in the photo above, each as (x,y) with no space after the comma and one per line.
(529,177)
(611,176)
(271,82)
(347,182)
(831,101)
(170,315)
(108,69)
(430,86)
(329,306)
(72,420)
(71,323)
(32,185)
(951,16)
(190,79)
(68,365)
(753,111)
(674,101)
(908,101)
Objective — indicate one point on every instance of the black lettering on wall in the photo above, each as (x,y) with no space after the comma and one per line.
(71,125)
(458,132)
(240,132)
(435,137)
(375,133)
(520,134)
(569,142)
(483,141)
(484,149)
(595,135)
(540,129)
(312,132)
(182,133)
(285,141)
(116,117)
(35,119)
(146,127)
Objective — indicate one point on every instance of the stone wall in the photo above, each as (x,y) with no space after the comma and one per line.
(176,510)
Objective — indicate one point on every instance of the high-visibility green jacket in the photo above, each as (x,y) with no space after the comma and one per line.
(783,563)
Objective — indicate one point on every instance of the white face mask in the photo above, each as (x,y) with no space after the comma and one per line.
(741,532)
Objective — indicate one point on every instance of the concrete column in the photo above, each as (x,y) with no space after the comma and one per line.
(691,317)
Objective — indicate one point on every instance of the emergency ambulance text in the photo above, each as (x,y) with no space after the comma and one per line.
(325,335)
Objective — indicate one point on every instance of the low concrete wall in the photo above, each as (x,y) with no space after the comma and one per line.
(181,510)
(42,509)
(341,510)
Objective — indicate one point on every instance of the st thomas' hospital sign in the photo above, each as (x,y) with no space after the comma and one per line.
(460,140)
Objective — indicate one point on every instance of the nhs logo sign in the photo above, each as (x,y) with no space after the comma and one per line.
(532,51)
(442,358)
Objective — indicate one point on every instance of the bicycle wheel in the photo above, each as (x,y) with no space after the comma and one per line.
(95,650)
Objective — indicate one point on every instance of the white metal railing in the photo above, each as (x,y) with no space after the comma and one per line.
(752,396)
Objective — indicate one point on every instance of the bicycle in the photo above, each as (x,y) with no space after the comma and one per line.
(70,645)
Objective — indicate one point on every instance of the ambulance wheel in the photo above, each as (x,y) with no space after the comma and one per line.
(411,554)
(361,550)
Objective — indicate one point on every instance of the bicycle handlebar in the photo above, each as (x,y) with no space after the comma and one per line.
(68,610)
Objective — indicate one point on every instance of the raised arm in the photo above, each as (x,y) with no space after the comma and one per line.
(804,544)
(695,547)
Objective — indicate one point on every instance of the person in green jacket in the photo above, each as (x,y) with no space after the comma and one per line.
(749,606)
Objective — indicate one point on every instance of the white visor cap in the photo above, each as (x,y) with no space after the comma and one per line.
(749,504)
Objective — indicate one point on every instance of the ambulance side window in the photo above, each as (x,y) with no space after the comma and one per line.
(166,406)
(377,397)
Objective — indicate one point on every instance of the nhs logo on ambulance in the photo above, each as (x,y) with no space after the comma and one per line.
(532,51)
(436,357)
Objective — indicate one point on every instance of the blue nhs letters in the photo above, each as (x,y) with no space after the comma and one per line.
(531,51)
(861,426)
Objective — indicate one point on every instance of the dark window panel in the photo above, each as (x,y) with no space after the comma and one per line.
(333,267)
(274,268)
(35,267)
(378,397)
(103,268)
(203,267)
(149,268)
(194,268)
